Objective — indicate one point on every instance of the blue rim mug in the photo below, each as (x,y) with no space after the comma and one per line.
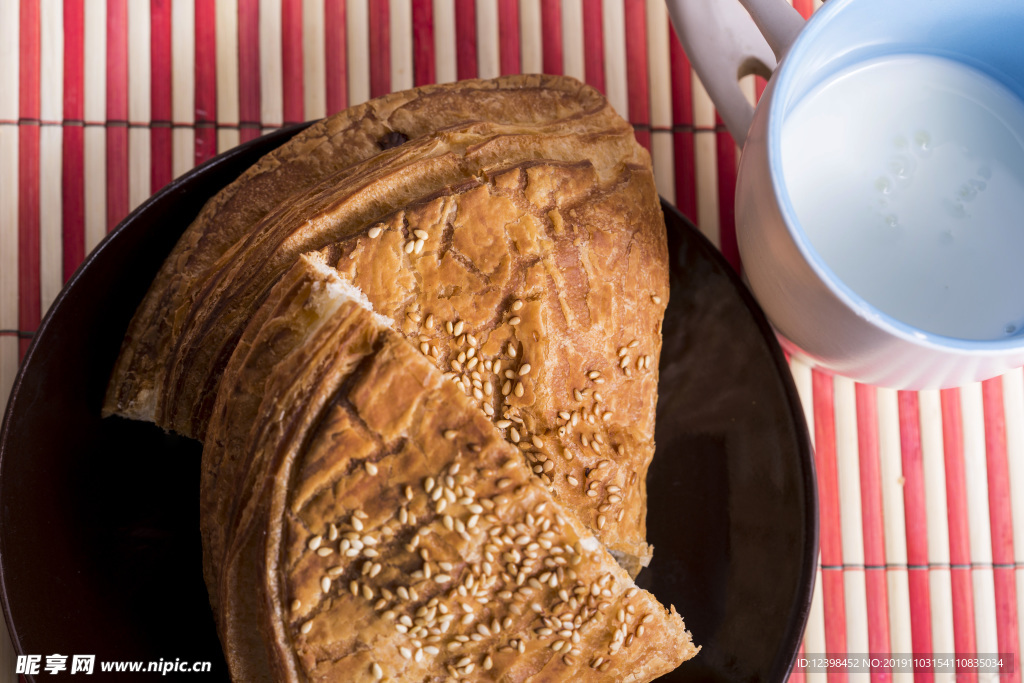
(818,316)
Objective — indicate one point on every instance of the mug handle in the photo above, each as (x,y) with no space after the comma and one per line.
(729,39)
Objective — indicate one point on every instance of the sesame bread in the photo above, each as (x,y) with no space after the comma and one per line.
(554,328)
(322,151)
(471,275)
(388,531)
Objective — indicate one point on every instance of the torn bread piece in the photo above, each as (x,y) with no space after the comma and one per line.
(325,149)
(391,532)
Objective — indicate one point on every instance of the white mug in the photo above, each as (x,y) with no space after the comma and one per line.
(876,212)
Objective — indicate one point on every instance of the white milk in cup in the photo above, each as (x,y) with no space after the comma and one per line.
(880,200)
(907,174)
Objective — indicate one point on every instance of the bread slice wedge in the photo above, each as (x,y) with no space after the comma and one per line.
(386,529)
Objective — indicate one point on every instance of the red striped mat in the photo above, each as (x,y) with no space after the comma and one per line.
(105,101)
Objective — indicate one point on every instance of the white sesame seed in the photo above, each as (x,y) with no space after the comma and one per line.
(593,374)
(357,523)
(409,246)
(324,551)
(624,362)
(418,246)
(450,434)
(525,370)
(375,232)
(517,304)
(371,469)
(577,395)
(457,329)
(307,627)
(537,441)
(378,673)
(421,234)
(315,542)
(519,389)
(515,320)
(655,298)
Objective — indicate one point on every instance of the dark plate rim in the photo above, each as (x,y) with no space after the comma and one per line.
(797,619)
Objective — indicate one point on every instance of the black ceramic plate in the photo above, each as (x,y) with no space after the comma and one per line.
(99,525)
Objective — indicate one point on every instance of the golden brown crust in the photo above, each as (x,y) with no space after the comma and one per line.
(322,150)
(398,529)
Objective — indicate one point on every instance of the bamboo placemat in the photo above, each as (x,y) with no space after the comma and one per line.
(102,102)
